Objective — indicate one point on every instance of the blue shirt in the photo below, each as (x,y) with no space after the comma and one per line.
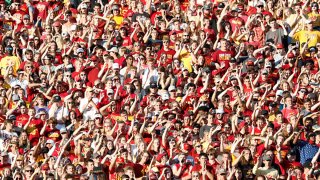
(307,151)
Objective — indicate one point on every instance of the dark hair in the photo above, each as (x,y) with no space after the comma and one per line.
(97,4)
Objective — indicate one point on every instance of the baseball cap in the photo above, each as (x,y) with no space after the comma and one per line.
(292,152)
(56,24)
(260,3)
(63,130)
(222,171)
(50,141)
(97,116)
(266,158)
(279,46)
(56,98)
(219,111)
(250,62)
(268,64)
(110,91)
(95,155)
(80,50)
(84,6)
(26,16)
(206,7)
(11,117)
(165,96)
(290,55)
(160,156)
(113,49)
(153,85)
(171,88)
(312,49)
(115,7)
(115,66)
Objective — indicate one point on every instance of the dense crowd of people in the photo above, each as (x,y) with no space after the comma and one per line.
(190,89)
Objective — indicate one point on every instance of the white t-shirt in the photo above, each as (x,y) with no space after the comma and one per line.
(88,110)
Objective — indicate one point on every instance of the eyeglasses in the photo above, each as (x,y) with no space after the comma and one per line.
(29,170)
(116,79)
(260,6)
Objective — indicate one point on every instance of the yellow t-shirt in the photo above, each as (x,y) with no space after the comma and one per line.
(118,20)
(186,59)
(10,60)
(315,18)
(303,35)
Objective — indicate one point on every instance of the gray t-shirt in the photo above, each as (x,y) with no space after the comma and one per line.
(276,36)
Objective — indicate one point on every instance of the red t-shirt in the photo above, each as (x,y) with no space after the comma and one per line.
(222,57)
(33,130)
(287,112)
(21,120)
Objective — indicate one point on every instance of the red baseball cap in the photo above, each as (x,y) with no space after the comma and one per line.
(291,55)
(160,156)
(279,46)
(56,24)
(286,66)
